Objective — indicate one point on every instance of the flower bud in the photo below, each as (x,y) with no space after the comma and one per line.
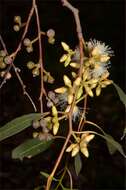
(55,128)
(75,150)
(30,65)
(67,81)
(8,60)
(77,81)
(51,33)
(16,28)
(61,90)
(54,111)
(27,42)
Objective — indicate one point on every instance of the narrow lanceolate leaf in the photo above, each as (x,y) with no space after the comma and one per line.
(121,94)
(112,149)
(77,164)
(30,148)
(114,144)
(17,125)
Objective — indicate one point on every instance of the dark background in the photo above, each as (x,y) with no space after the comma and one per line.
(102,20)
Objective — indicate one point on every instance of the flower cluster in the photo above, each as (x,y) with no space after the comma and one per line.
(95,66)
(80,145)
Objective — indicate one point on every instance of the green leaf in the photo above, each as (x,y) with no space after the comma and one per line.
(112,149)
(77,164)
(17,125)
(114,144)
(121,94)
(46,175)
(30,148)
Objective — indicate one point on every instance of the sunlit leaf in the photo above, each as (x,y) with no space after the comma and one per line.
(30,148)
(17,125)
(121,94)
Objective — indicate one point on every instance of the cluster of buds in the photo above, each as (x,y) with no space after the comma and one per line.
(45,125)
(34,67)
(80,145)
(28,44)
(4,61)
(17,21)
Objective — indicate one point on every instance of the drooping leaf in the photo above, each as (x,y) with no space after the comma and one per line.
(30,148)
(17,125)
(121,94)
(77,164)
(112,149)
(114,144)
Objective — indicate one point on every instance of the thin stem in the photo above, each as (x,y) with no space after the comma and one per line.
(18,76)
(83,114)
(42,91)
(71,181)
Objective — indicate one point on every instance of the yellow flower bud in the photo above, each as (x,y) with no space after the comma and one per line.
(89,91)
(60,90)
(67,81)
(55,128)
(107,82)
(77,81)
(98,90)
(75,65)
(79,93)
(69,149)
(75,150)
(65,46)
(84,151)
(74,74)
(54,111)
(63,58)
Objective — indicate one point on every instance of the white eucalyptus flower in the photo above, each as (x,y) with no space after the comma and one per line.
(99,48)
(99,69)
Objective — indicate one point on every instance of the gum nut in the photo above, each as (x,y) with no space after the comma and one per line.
(67,81)
(51,33)
(84,150)
(29,49)
(30,65)
(16,28)
(8,60)
(3,53)
(69,149)
(35,124)
(27,42)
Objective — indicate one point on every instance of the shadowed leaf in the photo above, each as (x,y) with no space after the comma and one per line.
(78,164)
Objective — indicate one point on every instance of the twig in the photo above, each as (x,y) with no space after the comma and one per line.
(42,90)
(14,55)
(71,181)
